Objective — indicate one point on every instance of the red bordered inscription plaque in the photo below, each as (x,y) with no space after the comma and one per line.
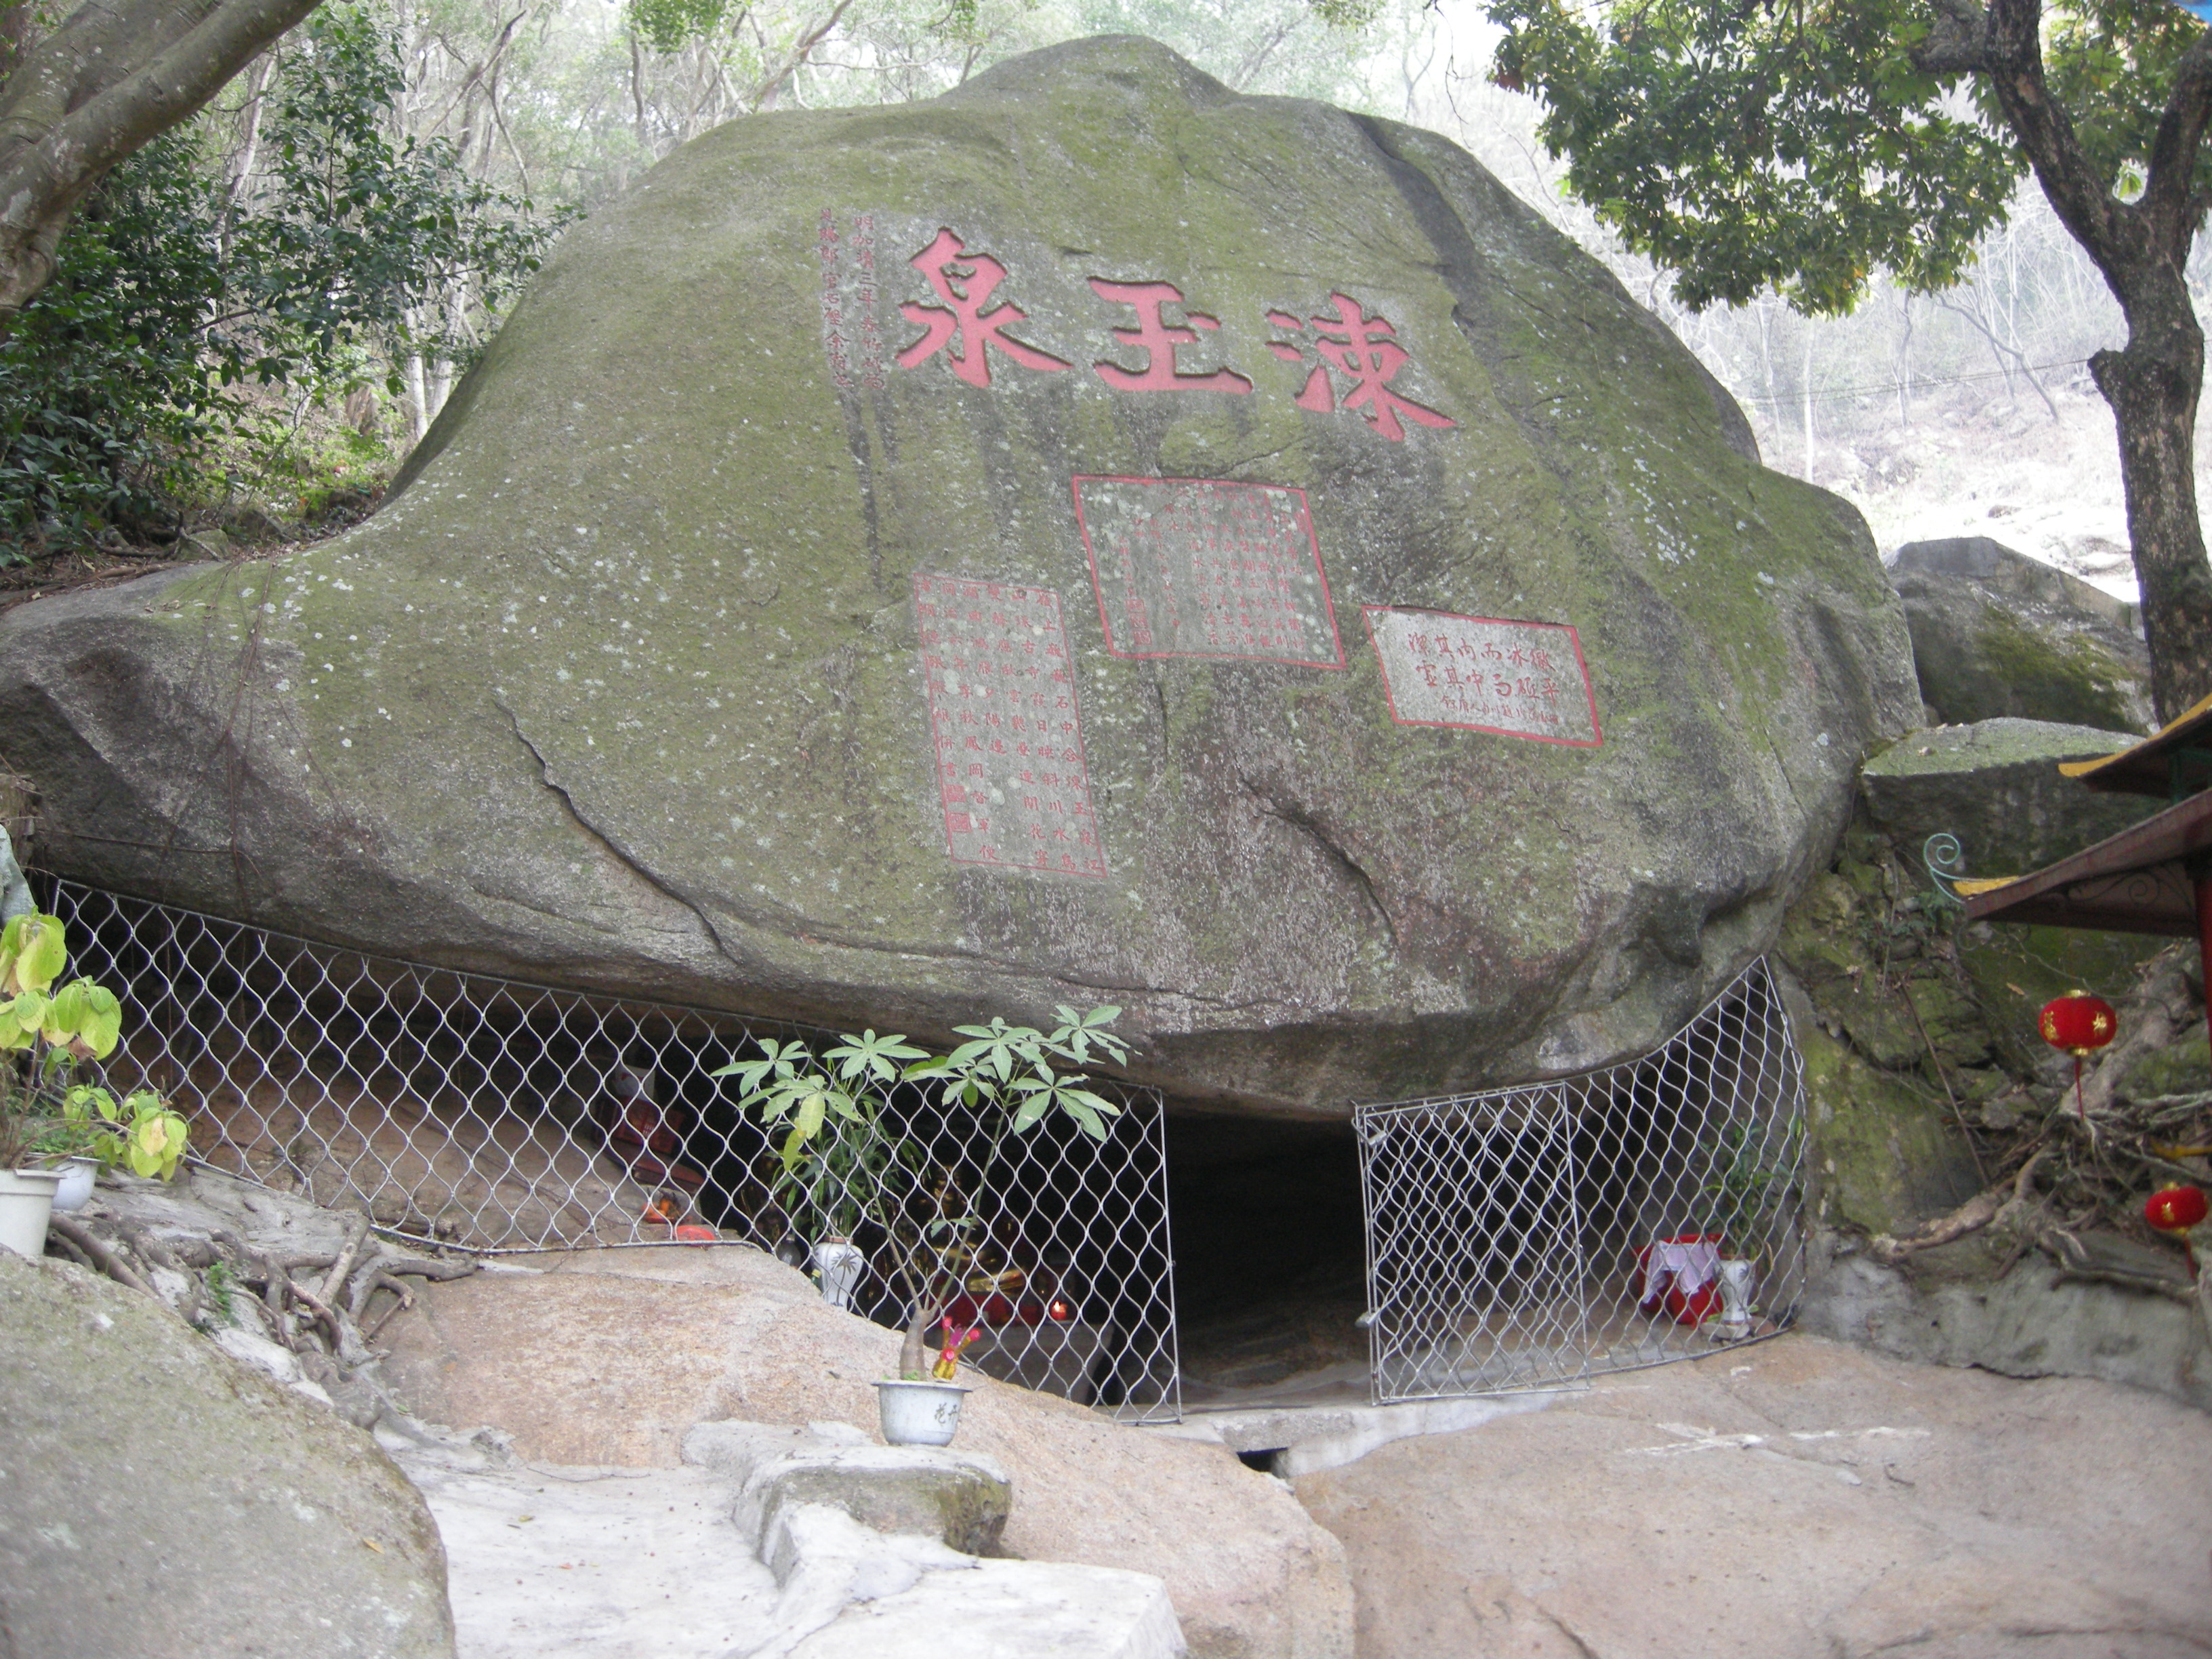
(1207,568)
(1521,679)
(1004,721)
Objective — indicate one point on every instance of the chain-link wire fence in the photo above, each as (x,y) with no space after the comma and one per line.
(1533,1236)
(490,1115)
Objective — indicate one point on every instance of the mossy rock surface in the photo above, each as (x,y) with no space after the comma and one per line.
(163,1499)
(1995,786)
(626,686)
(1996,633)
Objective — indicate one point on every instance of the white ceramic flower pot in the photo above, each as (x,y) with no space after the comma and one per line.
(27,1199)
(78,1177)
(924,1413)
(841,1265)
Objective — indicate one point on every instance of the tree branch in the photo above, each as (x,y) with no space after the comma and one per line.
(108,80)
(2047,135)
(2168,198)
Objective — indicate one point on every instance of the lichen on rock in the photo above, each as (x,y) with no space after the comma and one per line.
(628,687)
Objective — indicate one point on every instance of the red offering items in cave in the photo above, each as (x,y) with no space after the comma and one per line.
(1682,1274)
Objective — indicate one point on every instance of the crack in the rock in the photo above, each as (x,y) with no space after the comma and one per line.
(614,850)
(811,932)
(1290,813)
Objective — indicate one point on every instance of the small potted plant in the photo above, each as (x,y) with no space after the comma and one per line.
(47,1117)
(847,1160)
(1741,1189)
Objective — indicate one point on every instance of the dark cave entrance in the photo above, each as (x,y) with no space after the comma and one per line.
(1270,1256)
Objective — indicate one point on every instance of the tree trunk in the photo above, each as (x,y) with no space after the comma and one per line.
(2153,385)
(112,76)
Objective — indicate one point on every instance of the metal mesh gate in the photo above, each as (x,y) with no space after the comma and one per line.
(1529,1237)
(494,1116)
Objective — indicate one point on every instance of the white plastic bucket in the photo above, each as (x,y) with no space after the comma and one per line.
(27,1199)
(919,1414)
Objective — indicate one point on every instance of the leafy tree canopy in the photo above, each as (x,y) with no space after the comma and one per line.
(1803,146)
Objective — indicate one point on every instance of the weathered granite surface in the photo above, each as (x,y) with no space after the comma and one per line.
(158,1497)
(639,680)
(1996,634)
(1995,786)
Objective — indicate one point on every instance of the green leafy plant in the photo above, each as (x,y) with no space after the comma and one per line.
(45,1034)
(1744,1185)
(846,1156)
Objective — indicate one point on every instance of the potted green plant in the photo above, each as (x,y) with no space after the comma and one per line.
(1742,1187)
(848,1159)
(47,1116)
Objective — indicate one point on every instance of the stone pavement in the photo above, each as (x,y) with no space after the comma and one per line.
(1800,1499)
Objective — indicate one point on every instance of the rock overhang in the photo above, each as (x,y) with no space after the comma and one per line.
(1431,692)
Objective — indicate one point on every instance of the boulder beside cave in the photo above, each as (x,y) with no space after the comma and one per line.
(157,1497)
(1995,786)
(1996,634)
(1419,685)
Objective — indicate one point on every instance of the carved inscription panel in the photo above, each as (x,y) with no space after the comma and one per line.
(1522,679)
(1003,718)
(1206,567)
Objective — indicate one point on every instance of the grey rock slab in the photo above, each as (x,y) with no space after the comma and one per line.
(617,1357)
(849,1590)
(2037,1321)
(558,1562)
(630,686)
(1306,1440)
(1799,1499)
(1985,559)
(1995,786)
(1995,633)
(159,1499)
(960,1498)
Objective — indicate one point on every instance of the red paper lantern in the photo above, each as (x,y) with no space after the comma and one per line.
(2175,1208)
(2078,1022)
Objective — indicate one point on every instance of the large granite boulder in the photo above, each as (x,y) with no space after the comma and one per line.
(1996,634)
(161,1498)
(1795,1500)
(1091,537)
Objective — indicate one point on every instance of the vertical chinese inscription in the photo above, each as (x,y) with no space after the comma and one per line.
(1521,679)
(1207,568)
(1003,720)
(850,338)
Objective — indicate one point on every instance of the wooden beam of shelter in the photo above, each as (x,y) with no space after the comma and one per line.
(2173,763)
(2142,880)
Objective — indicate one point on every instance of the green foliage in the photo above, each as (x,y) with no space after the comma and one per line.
(363,238)
(124,388)
(846,1159)
(49,1114)
(1747,146)
(107,409)
(1745,1185)
(667,25)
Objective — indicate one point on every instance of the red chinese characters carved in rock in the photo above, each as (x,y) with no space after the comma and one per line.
(1004,728)
(965,282)
(1207,568)
(1366,349)
(1520,679)
(1157,339)
(965,326)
